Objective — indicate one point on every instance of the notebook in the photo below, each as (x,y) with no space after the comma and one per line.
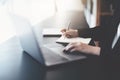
(64,39)
(52,32)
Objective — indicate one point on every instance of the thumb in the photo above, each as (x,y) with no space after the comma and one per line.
(63,30)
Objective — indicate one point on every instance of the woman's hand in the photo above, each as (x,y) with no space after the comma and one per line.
(70,33)
(81,47)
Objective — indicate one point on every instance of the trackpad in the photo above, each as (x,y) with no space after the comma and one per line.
(58,49)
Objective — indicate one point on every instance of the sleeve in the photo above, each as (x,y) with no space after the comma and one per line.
(95,33)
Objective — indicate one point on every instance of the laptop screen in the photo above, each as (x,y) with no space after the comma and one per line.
(27,38)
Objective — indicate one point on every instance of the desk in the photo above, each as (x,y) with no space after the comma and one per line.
(16,65)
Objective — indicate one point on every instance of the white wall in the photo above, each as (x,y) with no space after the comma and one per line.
(35,11)
(68,5)
(91,17)
(66,10)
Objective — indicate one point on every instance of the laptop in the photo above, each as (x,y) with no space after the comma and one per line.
(47,55)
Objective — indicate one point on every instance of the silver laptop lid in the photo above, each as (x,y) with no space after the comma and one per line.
(27,38)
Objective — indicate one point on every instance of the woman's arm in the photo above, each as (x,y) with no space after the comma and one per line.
(95,33)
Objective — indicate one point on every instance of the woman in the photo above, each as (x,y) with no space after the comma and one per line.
(108,36)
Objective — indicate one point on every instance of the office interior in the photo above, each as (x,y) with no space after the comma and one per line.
(96,12)
(51,13)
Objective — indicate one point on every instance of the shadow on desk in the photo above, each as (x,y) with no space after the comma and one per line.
(31,69)
(13,62)
(89,69)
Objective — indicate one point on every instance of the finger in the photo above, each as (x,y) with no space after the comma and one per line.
(68,47)
(73,49)
(63,30)
(68,34)
(77,47)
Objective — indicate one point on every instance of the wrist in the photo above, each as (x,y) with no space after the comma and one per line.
(96,50)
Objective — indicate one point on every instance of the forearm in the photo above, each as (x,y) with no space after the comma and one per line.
(84,33)
(96,51)
(94,33)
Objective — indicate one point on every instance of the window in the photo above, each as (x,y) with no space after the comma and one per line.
(34,10)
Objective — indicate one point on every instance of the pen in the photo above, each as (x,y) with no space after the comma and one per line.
(68,28)
(69,25)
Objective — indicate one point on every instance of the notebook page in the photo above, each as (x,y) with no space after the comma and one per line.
(63,39)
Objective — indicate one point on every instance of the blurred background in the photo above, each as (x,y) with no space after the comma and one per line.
(36,11)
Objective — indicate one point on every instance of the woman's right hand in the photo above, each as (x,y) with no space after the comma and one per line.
(71,33)
(82,47)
